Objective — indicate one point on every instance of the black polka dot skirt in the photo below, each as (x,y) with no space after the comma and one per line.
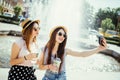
(21,73)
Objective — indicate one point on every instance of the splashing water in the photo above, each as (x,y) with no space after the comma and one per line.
(59,12)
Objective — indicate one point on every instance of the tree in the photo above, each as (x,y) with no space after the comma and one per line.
(17,11)
(105,13)
(107,24)
(1,9)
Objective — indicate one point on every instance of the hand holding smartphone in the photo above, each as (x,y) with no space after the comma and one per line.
(100,40)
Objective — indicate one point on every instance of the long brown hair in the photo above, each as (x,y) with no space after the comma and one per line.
(27,35)
(51,43)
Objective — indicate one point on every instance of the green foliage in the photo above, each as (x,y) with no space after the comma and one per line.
(119,28)
(102,14)
(107,24)
(17,11)
(1,9)
(118,9)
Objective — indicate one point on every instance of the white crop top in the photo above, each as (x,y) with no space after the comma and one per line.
(24,51)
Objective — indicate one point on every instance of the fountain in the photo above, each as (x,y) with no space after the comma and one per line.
(67,13)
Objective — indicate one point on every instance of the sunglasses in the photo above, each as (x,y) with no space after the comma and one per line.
(61,34)
(36,29)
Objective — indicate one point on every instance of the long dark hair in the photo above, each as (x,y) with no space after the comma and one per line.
(51,43)
(27,34)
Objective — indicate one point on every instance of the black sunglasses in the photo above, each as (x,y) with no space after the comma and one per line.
(36,29)
(61,34)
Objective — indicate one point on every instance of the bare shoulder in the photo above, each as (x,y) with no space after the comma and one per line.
(15,46)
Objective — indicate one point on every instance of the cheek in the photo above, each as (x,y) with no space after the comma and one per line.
(57,38)
(33,33)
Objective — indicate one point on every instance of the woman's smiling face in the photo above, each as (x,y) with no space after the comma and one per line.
(60,36)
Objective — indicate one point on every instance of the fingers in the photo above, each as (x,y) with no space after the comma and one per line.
(104,45)
(30,56)
(33,55)
(53,68)
(104,42)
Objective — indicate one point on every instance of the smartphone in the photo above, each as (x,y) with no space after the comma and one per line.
(100,40)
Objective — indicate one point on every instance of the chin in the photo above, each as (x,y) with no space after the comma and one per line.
(60,41)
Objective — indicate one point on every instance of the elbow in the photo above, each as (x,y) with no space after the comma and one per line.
(41,67)
(11,63)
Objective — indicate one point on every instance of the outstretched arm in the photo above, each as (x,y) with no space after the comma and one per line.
(87,53)
(81,54)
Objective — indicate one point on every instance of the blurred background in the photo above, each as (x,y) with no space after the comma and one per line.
(85,20)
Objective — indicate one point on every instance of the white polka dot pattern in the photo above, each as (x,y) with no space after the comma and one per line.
(21,73)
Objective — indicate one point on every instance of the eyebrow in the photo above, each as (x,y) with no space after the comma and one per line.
(61,32)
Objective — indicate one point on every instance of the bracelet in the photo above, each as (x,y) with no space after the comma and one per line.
(25,58)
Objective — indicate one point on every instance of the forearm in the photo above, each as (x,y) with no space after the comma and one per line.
(44,67)
(82,54)
(88,53)
(17,61)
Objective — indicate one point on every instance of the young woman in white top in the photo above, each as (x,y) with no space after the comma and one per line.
(55,49)
(23,51)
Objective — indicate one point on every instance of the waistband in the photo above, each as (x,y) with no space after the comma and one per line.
(55,73)
(30,69)
(22,66)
